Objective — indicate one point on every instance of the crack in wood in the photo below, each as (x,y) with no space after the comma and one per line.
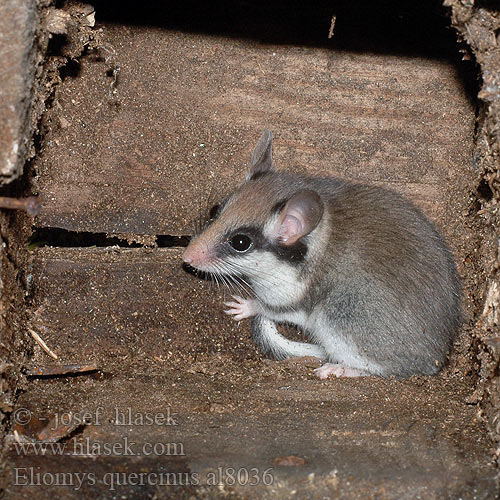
(63,238)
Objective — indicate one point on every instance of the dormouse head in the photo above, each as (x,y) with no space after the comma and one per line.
(264,223)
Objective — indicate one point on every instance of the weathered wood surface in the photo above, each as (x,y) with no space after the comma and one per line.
(356,437)
(161,341)
(106,306)
(181,126)
(18,20)
(188,110)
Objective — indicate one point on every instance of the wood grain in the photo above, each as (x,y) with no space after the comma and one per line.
(103,306)
(189,109)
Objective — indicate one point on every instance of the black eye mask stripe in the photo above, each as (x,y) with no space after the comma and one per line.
(294,254)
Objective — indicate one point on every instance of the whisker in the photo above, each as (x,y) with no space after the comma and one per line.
(238,281)
(242,285)
(263,279)
(234,279)
(224,277)
(275,281)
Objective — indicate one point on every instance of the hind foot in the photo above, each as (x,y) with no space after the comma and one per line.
(338,370)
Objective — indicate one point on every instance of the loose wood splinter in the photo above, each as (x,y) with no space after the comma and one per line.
(46,371)
(42,344)
(31,204)
(56,430)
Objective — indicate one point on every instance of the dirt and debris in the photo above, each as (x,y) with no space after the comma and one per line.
(413,437)
(478,27)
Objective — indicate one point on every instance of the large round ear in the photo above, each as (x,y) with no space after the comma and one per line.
(262,157)
(298,217)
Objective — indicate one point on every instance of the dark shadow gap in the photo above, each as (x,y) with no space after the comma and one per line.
(167,241)
(484,191)
(385,26)
(62,238)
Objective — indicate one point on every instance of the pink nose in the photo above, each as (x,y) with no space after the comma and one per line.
(187,256)
(196,254)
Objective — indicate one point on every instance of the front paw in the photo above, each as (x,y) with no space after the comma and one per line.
(241,308)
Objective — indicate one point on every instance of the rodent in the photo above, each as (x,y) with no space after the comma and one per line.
(357,268)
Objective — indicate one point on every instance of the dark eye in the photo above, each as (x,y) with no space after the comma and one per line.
(240,242)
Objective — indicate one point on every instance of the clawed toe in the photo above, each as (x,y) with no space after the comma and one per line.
(240,308)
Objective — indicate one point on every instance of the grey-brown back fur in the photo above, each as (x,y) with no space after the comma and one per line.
(386,279)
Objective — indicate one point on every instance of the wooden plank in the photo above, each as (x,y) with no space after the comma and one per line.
(403,439)
(189,108)
(106,305)
(18,23)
